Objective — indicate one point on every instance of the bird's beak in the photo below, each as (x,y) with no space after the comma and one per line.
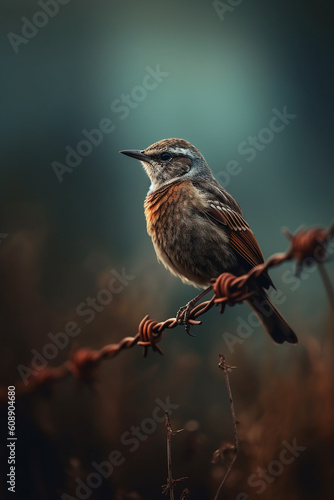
(134,153)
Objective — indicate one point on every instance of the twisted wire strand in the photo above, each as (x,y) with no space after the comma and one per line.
(228,290)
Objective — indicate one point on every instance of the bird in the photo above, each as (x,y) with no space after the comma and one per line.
(197,227)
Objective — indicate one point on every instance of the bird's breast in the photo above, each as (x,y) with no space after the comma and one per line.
(167,210)
(182,236)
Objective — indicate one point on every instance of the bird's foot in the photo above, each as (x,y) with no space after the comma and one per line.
(183,317)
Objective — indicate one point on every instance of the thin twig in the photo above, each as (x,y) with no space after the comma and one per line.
(170,481)
(327,283)
(226,368)
(169,487)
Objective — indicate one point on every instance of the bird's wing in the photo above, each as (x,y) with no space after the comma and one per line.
(241,236)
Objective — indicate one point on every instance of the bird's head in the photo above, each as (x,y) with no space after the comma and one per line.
(171,159)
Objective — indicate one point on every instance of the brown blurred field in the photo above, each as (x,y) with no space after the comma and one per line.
(281,393)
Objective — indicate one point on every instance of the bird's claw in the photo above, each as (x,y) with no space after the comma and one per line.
(183,318)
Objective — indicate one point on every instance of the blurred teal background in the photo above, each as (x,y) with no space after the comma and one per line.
(225,76)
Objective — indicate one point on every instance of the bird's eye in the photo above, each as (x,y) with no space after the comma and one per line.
(166,156)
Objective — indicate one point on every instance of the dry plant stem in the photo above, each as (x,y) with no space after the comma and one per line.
(327,283)
(170,481)
(225,368)
(169,457)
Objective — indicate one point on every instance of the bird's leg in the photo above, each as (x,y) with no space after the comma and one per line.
(183,314)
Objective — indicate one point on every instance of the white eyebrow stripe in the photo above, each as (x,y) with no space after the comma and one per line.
(182,151)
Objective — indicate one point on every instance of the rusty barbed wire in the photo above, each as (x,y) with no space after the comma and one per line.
(306,245)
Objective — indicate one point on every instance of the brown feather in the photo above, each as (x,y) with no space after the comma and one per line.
(241,237)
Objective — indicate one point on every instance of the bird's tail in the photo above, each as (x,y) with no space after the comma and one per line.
(272,320)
